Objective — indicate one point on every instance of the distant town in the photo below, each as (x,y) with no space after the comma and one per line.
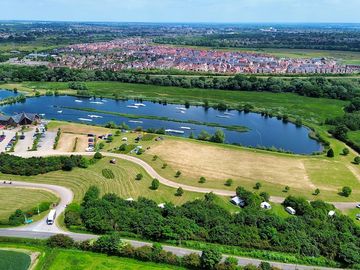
(143,54)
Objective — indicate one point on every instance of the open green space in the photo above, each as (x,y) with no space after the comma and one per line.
(12,198)
(123,183)
(71,259)
(13,260)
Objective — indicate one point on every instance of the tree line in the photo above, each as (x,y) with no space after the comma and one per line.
(10,164)
(312,87)
(311,233)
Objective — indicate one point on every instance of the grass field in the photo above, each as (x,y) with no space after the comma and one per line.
(78,260)
(217,163)
(12,260)
(124,183)
(21,198)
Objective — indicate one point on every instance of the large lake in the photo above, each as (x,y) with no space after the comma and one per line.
(265,132)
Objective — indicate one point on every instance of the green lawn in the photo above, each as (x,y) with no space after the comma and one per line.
(123,184)
(12,260)
(79,260)
(20,198)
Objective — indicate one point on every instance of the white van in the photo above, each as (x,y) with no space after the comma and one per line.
(51,217)
(290,210)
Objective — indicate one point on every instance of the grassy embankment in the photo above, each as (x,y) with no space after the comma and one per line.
(61,259)
(12,198)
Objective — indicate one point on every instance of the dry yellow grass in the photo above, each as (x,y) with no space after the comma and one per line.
(218,163)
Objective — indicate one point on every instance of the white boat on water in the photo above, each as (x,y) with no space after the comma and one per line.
(85,119)
(140,105)
(136,121)
(187,128)
(181,108)
(174,131)
(182,112)
(78,101)
(227,113)
(42,114)
(97,102)
(223,116)
(132,107)
(59,111)
(94,116)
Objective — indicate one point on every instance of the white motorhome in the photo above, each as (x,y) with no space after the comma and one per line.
(290,210)
(51,217)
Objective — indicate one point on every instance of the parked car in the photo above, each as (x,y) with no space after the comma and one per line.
(290,210)
(113,161)
(357,216)
(358,205)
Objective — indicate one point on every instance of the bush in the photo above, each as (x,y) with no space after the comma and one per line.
(210,258)
(139,176)
(155,184)
(316,192)
(330,153)
(179,192)
(191,261)
(202,180)
(229,182)
(357,160)
(346,151)
(17,218)
(60,241)
(265,196)
(72,215)
(98,155)
(108,244)
(346,191)
(178,173)
(257,185)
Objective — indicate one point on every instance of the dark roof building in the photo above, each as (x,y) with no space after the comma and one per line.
(19,119)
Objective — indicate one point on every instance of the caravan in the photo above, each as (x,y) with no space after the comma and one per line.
(51,217)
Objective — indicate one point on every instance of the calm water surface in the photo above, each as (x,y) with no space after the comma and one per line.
(263,131)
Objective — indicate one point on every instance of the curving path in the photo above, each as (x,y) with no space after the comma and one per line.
(343,206)
(40,230)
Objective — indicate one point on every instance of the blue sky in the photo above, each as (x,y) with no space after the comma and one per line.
(183,10)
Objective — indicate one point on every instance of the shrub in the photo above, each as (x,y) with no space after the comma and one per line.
(346,151)
(72,215)
(139,176)
(330,153)
(265,196)
(229,182)
(155,184)
(202,180)
(316,192)
(60,241)
(346,191)
(357,160)
(191,261)
(17,218)
(164,166)
(210,258)
(179,192)
(286,189)
(178,173)
(108,244)
(98,155)
(257,185)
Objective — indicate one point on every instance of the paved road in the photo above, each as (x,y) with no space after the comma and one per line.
(66,196)
(25,144)
(150,170)
(40,230)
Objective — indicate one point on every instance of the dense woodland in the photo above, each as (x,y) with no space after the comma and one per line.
(311,233)
(313,87)
(296,39)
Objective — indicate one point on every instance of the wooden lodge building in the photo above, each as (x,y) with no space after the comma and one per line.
(20,119)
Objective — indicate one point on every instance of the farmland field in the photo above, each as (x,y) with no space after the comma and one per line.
(21,198)
(12,260)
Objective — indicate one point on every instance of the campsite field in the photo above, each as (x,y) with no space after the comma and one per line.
(219,162)
(21,198)
(124,183)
